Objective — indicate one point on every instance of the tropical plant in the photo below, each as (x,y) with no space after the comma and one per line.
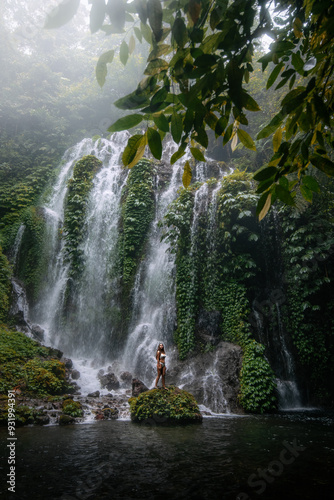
(197,72)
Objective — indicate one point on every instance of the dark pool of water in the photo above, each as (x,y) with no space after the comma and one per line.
(288,456)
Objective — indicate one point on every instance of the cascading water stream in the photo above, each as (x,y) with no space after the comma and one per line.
(84,331)
(153,315)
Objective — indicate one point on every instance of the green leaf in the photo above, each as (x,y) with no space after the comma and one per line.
(101,66)
(176,127)
(177,155)
(284,182)
(154,142)
(156,66)
(197,154)
(134,150)
(126,123)
(146,32)
(307,193)
(227,134)
(161,122)
(265,173)
(97,14)
(272,126)
(61,14)
(221,125)
(323,164)
(284,194)
(132,101)
(297,63)
(158,51)
(116,13)
(202,137)
(249,103)
(274,74)
(154,11)
(138,34)
(124,52)
(246,139)
(179,32)
(187,174)
(141,8)
(311,183)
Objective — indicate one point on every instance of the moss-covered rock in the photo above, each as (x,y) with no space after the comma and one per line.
(29,367)
(66,419)
(165,407)
(72,408)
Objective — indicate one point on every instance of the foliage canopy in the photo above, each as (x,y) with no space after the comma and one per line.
(198,68)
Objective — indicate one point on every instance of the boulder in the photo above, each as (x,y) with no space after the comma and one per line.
(75,374)
(37,332)
(42,420)
(66,419)
(138,387)
(109,381)
(126,376)
(110,413)
(212,377)
(95,394)
(67,362)
(171,406)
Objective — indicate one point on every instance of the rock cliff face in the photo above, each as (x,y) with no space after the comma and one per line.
(213,377)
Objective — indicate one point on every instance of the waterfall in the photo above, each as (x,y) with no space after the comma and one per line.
(153,315)
(77,313)
(17,245)
(280,357)
(287,388)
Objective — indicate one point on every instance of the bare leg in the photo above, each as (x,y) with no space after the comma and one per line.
(158,377)
(163,377)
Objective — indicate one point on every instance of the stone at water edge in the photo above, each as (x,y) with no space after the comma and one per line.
(173,406)
(109,381)
(138,387)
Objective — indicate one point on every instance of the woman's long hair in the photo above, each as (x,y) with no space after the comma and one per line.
(161,350)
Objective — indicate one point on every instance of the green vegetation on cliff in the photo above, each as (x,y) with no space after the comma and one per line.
(161,406)
(79,187)
(137,215)
(5,286)
(25,364)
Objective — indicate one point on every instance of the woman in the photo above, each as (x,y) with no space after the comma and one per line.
(161,365)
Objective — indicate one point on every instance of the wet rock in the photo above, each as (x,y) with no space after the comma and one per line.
(99,415)
(138,387)
(66,419)
(126,377)
(55,353)
(212,377)
(109,381)
(95,394)
(42,420)
(101,372)
(75,374)
(68,363)
(110,413)
(37,332)
(19,309)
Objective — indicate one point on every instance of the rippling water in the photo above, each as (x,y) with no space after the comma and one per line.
(288,456)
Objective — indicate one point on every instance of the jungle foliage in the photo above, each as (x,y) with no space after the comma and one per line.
(79,187)
(226,262)
(25,364)
(161,406)
(196,78)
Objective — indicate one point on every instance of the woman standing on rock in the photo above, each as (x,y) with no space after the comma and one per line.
(161,365)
